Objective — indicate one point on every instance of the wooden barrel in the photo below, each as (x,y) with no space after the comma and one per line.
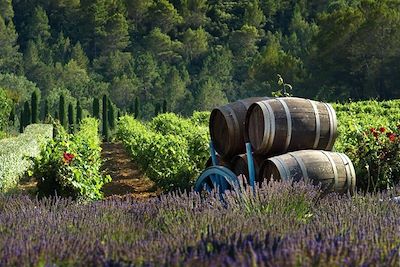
(240,167)
(227,127)
(279,125)
(333,170)
(221,162)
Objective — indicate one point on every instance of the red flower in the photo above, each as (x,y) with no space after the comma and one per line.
(391,136)
(382,129)
(375,134)
(68,157)
(372,130)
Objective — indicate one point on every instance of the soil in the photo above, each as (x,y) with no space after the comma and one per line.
(127,179)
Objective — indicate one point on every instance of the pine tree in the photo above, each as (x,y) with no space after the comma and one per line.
(71,121)
(137,108)
(46,110)
(34,107)
(111,115)
(62,112)
(10,58)
(38,27)
(78,112)
(79,56)
(105,119)
(96,108)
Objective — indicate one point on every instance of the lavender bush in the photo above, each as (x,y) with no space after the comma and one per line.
(281,226)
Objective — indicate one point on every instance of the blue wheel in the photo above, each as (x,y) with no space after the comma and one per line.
(217,177)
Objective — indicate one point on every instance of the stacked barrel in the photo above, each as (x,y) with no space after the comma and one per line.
(291,139)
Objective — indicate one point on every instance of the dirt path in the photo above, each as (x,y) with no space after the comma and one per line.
(127,180)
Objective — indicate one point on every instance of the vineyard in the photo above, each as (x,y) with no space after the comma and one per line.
(280,224)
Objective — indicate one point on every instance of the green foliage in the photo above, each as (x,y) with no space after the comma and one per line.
(170,149)
(15,153)
(137,108)
(62,113)
(35,107)
(105,123)
(46,110)
(111,115)
(27,119)
(69,165)
(71,118)
(96,108)
(197,54)
(5,108)
(78,113)
(373,151)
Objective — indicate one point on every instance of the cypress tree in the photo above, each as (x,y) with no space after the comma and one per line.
(21,121)
(164,106)
(71,117)
(56,115)
(34,107)
(158,109)
(96,108)
(137,107)
(62,112)
(111,115)
(46,110)
(105,118)
(11,118)
(27,114)
(78,112)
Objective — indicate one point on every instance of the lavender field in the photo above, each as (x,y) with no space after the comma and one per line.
(283,225)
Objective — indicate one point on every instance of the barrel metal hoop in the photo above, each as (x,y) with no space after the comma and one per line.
(285,175)
(334,167)
(289,122)
(302,166)
(317,124)
(332,126)
(348,170)
(353,174)
(269,126)
(235,121)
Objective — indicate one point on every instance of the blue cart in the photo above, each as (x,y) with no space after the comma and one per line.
(222,178)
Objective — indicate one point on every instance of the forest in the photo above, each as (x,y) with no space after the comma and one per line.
(196,54)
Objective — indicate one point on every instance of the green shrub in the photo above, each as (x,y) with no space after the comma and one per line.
(201,118)
(15,153)
(5,109)
(70,164)
(374,153)
(170,149)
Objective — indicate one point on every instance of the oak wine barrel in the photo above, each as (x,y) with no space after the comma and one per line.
(227,127)
(240,166)
(333,170)
(221,162)
(280,125)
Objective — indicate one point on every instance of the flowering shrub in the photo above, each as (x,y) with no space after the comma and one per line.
(378,158)
(284,226)
(368,134)
(70,164)
(15,153)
